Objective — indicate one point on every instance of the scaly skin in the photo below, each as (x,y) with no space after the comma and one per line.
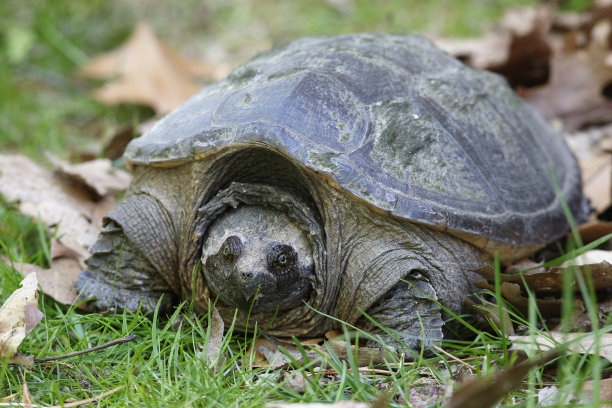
(362,258)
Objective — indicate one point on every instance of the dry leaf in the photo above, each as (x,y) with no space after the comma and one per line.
(72,202)
(605,391)
(516,47)
(295,381)
(277,354)
(115,147)
(52,200)
(512,293)
(528,50)
(597,180)
(592,149)
(576,342)
(8,398)
(550,281)
(149,72)
(97,176)
(551,396)
(213,348)
(366,356)
(594,230)
(491,312)
(64,250)
(18,316)
(58,281)
(280,352)
(525,263)
(601,261)
(425,396)
(579,75)
(344,349)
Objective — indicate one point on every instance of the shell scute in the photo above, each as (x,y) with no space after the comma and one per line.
(395,123)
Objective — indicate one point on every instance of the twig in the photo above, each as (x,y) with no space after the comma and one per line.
(471,367)
(89,350)
(361,370)
(92,399)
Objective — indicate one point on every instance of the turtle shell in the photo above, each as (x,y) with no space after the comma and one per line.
(393,122)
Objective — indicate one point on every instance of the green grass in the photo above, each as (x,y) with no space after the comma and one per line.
(166,364)
(44,106)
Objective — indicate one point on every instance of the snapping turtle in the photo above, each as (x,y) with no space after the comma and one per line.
(334,176)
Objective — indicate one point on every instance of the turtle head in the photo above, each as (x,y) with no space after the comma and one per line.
(256,258)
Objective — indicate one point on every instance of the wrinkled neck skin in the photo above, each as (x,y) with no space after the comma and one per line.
(359,254)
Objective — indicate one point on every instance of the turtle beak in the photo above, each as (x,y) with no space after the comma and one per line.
(253,285)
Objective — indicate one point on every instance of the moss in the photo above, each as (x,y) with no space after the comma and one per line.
(324,160)
(242,76)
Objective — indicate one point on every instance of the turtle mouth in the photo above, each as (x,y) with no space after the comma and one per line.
(261,293)
(251,258)
(287,298)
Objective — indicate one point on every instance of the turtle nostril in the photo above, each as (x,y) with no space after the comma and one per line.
(247,275)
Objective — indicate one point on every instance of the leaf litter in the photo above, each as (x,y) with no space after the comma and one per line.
(18,317)
(535,49)
(70,201)
(149,72)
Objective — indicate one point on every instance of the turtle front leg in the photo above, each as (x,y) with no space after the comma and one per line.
(410,313)
(129,259)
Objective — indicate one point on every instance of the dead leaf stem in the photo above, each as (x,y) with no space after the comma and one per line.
(89,350)
(449,355)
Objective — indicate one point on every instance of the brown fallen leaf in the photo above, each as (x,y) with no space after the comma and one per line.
(366,356)
(515,47)
(527,62)
(295,381)
(550,281)
(513,294)
(485,392)
(96,176)
(576,342)
(579,76)
(559,62)
(594,230)
(605,391)
(214,357)
(149,72)
(57,281)
(18,316)
(71,202)
(8,398)
(525,263)
(272,353)
(425,395)
(60,249)
(114,148)
(597,180)
(490,312)
(277,352)
(64,207)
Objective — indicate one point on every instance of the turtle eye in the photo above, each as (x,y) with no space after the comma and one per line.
(280,257)
(231,249)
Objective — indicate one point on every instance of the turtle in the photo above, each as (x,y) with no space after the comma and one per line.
(357,179)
